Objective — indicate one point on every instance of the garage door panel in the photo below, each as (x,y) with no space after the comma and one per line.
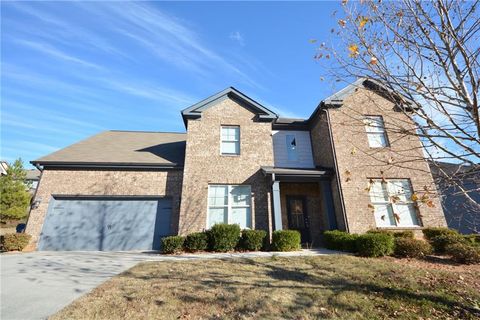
(106,224)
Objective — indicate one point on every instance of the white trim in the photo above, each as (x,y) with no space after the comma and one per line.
(238,141)
(229,205)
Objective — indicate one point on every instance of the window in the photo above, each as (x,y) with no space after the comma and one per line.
(377,137)
(229,204)
(392,203)
(230,140)
(291,147)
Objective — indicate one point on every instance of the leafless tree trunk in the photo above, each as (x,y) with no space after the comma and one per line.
(427,52)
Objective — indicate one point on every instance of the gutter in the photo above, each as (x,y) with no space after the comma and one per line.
(337,174)
(104,165)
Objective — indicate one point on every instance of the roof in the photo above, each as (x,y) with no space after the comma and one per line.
(290,124)
(195,111)
(296,173)
(122,149)
(33,174)
(338,97)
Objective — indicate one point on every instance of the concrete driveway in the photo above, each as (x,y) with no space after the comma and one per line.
(38,284)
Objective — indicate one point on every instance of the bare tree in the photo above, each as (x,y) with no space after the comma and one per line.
(426,54)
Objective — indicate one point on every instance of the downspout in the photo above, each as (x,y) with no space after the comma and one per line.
(337,173)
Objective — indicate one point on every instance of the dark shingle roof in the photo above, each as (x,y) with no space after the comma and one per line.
(122,148)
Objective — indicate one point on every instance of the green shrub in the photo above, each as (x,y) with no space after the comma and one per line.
(397,234)
(224,237)
(15,241)
(286,240)
(197,241)
(473,239)
(441,242)
(252,240)
(411,248)
(464,253)
(340,240)
(375,244)
(431,233)
(172,244)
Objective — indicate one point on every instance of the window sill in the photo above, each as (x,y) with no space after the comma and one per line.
(401,228)
(230,155)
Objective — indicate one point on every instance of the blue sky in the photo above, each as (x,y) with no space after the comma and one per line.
(70,70)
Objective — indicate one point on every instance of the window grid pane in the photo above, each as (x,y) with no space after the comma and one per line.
(392,203)
(230,140)
(375,129)
(237,205)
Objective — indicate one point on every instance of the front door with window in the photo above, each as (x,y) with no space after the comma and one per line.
(298,217)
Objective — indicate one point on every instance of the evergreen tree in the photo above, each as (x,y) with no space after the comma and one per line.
(14,195)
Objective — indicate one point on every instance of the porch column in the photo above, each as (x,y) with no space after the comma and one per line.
(277,207)
(328,198)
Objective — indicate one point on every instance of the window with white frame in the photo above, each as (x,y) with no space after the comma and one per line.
(377,137)
(230,140)
(392,203)
(229,204)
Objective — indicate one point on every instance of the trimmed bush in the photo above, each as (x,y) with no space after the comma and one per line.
(224,237)
(252,240)
(286,240)
(397,234)
(411,248)
(15,241)
(375,244)
(340,240)
(431,233)
(172,244)
(473,239)
(197,241)
(441,242)
(464,253)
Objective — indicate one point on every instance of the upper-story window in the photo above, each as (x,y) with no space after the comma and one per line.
(392,203)
(292,153)
(230,140)
(375,127)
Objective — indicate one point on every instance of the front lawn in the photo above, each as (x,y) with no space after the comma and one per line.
(335,286)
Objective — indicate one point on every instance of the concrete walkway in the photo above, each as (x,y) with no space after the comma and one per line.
(38,284)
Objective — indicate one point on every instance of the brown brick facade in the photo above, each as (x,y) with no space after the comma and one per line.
(205,165)
(357,162)
(102,182)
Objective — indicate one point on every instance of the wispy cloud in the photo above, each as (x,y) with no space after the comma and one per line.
(237,37)
(56,53)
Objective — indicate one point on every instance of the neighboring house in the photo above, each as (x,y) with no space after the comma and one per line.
(3,168)
(460,212)
(238,162)
(32,178)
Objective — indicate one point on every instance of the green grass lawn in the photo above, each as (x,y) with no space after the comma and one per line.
(332,287)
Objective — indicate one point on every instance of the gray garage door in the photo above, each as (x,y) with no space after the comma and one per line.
(105,224)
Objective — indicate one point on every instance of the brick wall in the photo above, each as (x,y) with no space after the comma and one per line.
(357,162)
(205,165)
(103,182)
(323,157)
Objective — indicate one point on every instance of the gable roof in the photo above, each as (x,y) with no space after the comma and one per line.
(122,149)
(338,97)
(195,111)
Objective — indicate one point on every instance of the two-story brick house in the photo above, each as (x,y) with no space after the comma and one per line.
(238,162)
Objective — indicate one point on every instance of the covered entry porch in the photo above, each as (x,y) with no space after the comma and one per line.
(301,200)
